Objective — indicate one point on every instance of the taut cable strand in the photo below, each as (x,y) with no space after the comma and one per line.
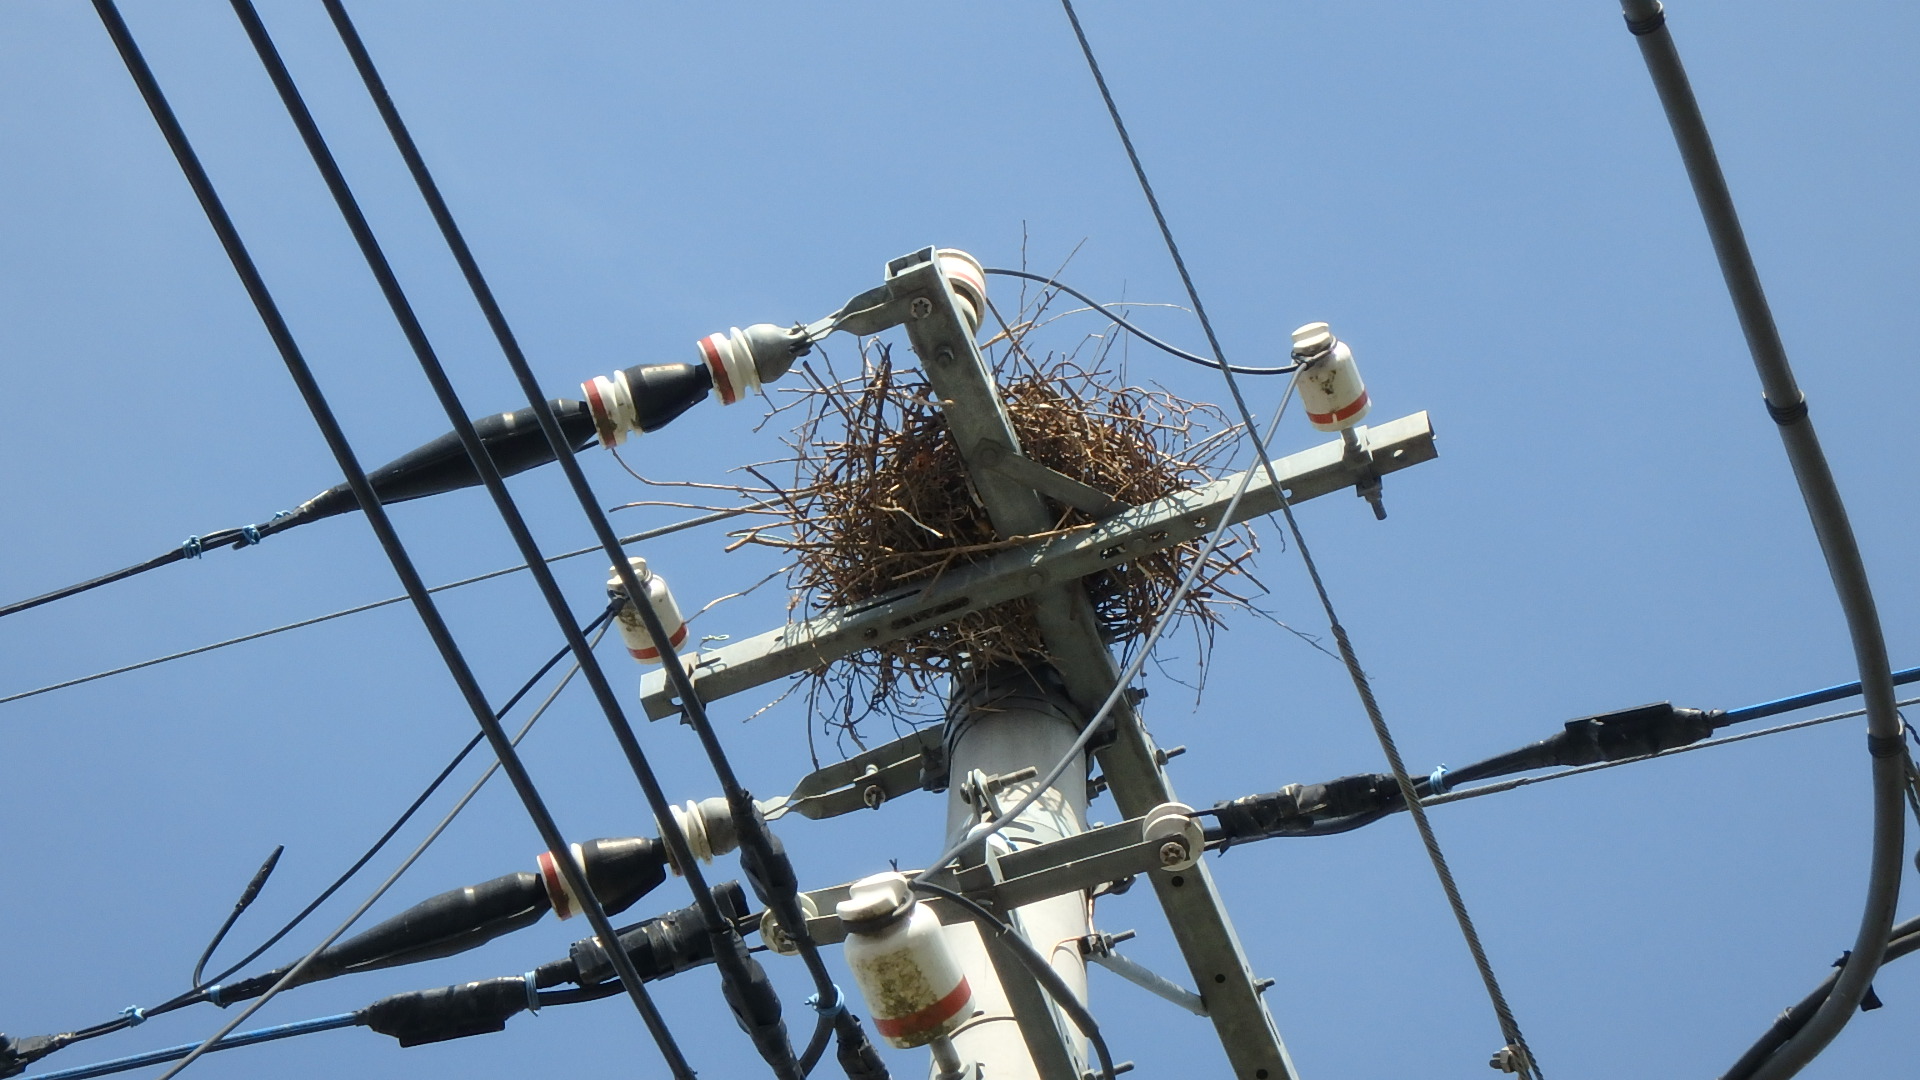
(1509,1028)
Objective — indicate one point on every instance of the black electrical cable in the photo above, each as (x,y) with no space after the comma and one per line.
(202,992)
(191,549)
(1902,940)
(757,844)
(247,896)
(1122,323)
(376,516)
(405,815)
(1030,957)
(739,975)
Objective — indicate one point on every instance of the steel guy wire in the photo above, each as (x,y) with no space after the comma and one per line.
(649,534)
(1509,1027)
(377,519)
(293,972)
(752,831)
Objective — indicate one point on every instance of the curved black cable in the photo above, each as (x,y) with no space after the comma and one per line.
(1904,939)
(1171,350)
(247,896)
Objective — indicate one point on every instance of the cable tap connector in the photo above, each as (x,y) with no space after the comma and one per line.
(1330,386)
(633,628)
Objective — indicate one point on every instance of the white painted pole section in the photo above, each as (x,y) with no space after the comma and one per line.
(1005,724)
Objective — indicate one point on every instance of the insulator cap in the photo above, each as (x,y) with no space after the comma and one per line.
(1330,387)
(914,986)
(742,360)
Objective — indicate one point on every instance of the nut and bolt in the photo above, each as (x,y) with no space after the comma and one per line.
(920,307)
(1172,853)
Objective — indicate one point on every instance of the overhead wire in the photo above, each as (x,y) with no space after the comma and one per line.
(1122,323)
(759,850)
(1786,405)
(208,990)
(649,534)
(1510,1028)
(1498,786)
(390,543)
(293,971)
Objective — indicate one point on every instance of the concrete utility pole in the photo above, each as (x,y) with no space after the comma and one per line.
(1010,724)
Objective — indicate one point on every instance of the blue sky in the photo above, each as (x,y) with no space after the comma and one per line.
(1486,204)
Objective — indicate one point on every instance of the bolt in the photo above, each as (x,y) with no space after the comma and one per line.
(873,796)
(1036,578)
(920,308)
(1172,854)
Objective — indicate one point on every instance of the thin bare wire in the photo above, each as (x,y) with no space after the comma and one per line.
(1509,1027)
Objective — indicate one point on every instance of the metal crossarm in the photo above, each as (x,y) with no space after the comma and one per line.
(1176,519)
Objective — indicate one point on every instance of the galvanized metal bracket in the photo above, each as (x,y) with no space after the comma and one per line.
(916,762)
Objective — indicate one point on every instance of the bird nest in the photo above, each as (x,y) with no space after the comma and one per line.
(881,503)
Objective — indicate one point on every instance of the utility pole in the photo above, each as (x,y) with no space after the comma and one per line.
(1008,726)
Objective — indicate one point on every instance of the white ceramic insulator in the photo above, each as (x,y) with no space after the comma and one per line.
(913,984)
(969,283)
(610,400)
(729,357)
(1330,386)
(633,631)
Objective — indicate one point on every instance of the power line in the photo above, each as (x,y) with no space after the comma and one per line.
(765,862)
(1526,781)
(678,526)
(1123,324)
(1510,1028)
(293,972)
(377,519)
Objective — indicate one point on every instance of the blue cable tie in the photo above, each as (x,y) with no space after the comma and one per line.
(191,547)
(135,1015)
(249,535)
(533,995)
(1437,781)
(829,1011)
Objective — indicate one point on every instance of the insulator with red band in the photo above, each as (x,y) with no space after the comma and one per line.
(899,955)
(1330,387)
(633,630)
